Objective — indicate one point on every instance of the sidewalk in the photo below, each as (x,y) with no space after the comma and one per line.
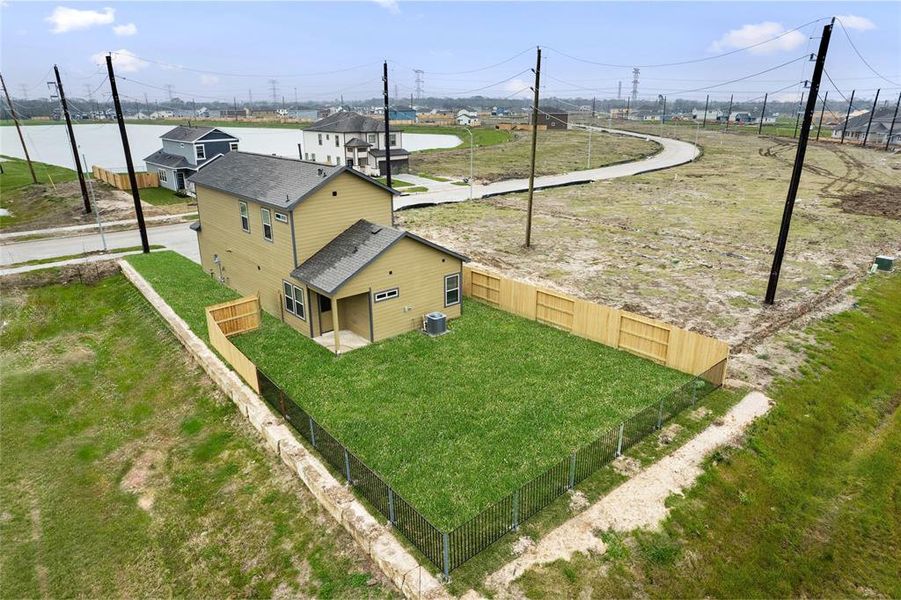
(90,228)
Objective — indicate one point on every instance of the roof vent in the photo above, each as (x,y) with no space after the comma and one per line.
(321,172)
(374,229)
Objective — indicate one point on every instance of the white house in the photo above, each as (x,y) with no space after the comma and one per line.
(349,138)
(468,118)
(162,114)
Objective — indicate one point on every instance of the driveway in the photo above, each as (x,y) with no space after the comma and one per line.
(674,153)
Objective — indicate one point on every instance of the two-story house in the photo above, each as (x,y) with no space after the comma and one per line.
(349,138)
(315,242)
(185,151)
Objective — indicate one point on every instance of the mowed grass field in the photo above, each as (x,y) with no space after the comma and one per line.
(808,507)
(452,423)
(557,152)
(18,193)
(127,474)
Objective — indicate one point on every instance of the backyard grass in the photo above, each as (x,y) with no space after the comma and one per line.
(452,423)
(160,196)
(54,259)
(126,474)
(808,507)
(558,152)
(394,182)
(16,191)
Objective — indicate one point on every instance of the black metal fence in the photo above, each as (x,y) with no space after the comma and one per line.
(447,550)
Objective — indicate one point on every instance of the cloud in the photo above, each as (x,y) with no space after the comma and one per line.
(66,19)
(855,22)
(518,88)
(391,6)
(123,60)
(751,34)
(125,30)
(209,79)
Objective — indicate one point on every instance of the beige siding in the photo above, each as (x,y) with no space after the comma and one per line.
(353,314)
(418,271)
(250,264)
(321,217)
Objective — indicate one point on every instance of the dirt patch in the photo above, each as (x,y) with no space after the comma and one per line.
(578,501)
(626,465)
(702,412)
(668,434)
(87,273)
(140,478)
(883,202)
(522,545)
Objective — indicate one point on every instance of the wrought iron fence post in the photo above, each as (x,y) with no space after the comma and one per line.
(572,471)
(347,465)
(515,521)
(312,432)
(391,518)
(660,415)
(446,544)
(619,444)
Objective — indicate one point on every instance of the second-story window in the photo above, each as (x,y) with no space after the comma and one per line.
(267,224)
(371,138)
(320,138)
(337,142)
(199,151)
(393,139)
(245,217)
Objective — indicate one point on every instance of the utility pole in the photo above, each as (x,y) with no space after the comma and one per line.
(822,112)
(729,112)
(891,128)
(594,102)
(706,104)
(387,127)
(75,157)
(799,164)
(235,104)
(798,116)
(139,212)
(870,122)
(12,112)
(534,148)
(847,117)
(628,112)
(762,115)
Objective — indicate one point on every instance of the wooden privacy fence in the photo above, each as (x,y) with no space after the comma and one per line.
(232,318)
(655,340)
(120,180)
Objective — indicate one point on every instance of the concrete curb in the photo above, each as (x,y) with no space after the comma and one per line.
(377,542)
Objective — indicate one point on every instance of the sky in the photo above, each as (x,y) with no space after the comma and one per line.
(322,51)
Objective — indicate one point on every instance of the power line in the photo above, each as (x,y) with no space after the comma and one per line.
(860,56)
(746,77)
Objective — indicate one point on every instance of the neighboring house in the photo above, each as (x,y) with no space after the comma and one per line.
(712,115)
(314,242)
(349,138)
(741,117)
(553,118)
(186,150)
(856,128)
(162,114)
(468,118)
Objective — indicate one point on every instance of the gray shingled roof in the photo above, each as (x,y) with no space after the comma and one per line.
(883,116)
(164,159)
(356,142)
(395,153)
(341,259)
(186,134)
(347,122)
(274,180)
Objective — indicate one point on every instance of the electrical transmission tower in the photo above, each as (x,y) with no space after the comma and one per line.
(635,73)
(169,91)
(273,85)
(419,82)
(89,93)
(619,91)
(24,89)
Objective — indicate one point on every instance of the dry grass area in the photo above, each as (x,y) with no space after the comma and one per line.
(693,245)
(558,152)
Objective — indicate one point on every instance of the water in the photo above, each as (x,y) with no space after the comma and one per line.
(100,143)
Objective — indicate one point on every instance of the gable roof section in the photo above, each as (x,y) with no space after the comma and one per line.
(274,180)
(172,161)
(350,252)
(347,122)
(356,142)
(192,134)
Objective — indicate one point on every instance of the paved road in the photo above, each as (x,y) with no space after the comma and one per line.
(674,153)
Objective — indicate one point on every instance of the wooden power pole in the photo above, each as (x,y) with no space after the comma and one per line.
(534,148)
(12,112)
(847,117)
(891,128)
(387,127)
(729,112)
(762,115)
(799,164)
(139,212)
(75,157)
(822,113)
(870,122)
(706,104)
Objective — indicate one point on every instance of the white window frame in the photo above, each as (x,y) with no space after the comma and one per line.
(320,138)
(447,290)
(294,303)
(233,146)
(245,216)
(392,139)
(386,295)
(199,152)
(281,217)
(163,175)
(372,138)
(266,218)
(337,141)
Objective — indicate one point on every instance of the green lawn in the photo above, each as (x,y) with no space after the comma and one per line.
(160,196)
(55,259)
(452,423)
(18,196)
(394,182)
(127,474)
(808,507)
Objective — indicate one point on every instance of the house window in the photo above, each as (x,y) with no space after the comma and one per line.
(306,156)
(393,139)
(281,217)
(452,289)
(313,157)
(245,217)
(320,138)
(233,145)
(386,295)
(371,138)
(267,224)
(163,175)
(328,159)
(199,151)
(337,142)
(294,303)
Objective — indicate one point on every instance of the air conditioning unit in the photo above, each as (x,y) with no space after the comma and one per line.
(435,323)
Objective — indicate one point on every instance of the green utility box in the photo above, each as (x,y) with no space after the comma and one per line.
(885,263)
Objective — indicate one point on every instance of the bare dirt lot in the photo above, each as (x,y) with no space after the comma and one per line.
(693,245)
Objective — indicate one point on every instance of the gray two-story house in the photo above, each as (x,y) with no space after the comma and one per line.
(185,151)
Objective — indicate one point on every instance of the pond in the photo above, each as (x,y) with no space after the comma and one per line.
(100,143)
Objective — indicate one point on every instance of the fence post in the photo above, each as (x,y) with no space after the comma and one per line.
(446,545)
(515,523)
(619,444)
(391,517)
(347,466)
(660,415)
(694,392)
(572,471)
(312,431)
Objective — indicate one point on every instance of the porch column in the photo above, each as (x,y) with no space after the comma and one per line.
(336,325)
